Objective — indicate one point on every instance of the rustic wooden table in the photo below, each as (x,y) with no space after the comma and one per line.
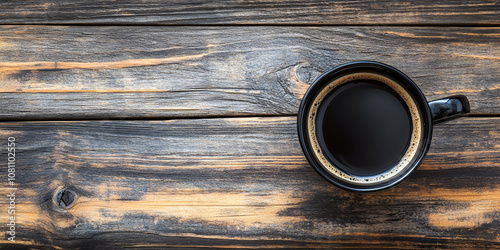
(151,124)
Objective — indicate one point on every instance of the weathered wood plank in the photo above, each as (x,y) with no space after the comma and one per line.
(240,182)
(251,12)
(107,72)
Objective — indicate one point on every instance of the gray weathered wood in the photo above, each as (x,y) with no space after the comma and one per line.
(54,72)
(241,182)
(251,12)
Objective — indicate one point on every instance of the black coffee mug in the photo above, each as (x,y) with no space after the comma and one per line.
(365,126)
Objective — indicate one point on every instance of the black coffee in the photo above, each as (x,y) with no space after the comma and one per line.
(363,127)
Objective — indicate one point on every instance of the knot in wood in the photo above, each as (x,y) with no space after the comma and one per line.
(65,198)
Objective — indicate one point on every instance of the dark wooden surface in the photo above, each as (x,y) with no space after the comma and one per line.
(252,12)
(75,72)
(185,136)
(244,182)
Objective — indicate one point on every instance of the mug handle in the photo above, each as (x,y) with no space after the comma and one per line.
(449,108)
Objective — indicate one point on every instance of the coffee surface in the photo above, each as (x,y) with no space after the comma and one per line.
(363,127)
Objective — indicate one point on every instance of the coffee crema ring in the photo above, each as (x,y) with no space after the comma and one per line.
(408,156)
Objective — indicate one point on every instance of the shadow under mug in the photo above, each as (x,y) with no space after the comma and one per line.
(365,126)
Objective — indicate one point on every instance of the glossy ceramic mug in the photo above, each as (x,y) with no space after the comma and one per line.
(365,126)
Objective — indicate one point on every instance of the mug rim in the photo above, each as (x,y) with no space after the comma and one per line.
(364,66)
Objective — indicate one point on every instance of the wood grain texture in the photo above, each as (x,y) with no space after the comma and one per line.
(54,72)
(241,182)
(251,12)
